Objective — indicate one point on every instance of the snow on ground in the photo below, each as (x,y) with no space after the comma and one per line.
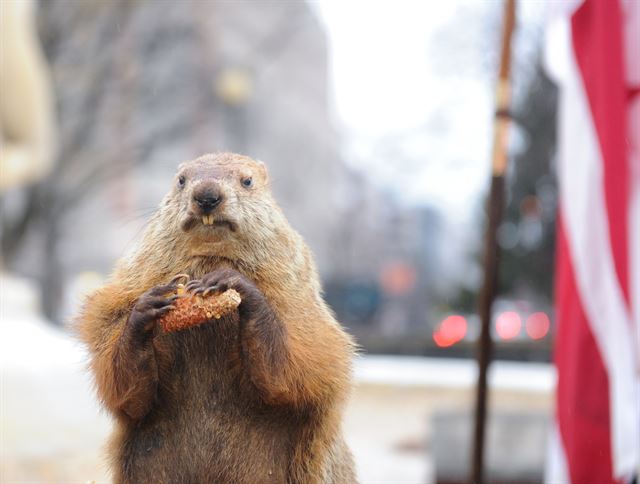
(52,427)
(418,371)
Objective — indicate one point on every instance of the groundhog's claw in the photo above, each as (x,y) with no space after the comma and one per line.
(224,279)
(179,277)
(193,285)
(199,288)
(209,290)
(227,278)
(150,307)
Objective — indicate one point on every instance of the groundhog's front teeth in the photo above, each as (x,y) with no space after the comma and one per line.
(207,219)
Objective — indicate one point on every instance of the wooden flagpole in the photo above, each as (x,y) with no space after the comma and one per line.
(491,249)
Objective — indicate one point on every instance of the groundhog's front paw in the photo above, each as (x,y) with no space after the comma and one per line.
(149,307)
(225,278)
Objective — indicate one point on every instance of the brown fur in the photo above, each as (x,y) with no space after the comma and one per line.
(250,398)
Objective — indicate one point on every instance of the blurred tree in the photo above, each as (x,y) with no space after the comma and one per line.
(41,207)
(141,86)
(527,234)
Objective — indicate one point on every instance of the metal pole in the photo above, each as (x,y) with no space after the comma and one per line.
(491,250)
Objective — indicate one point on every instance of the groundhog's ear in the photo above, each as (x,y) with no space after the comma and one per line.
(263,169)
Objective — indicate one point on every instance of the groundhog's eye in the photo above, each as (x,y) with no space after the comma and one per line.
(181,181)
(247,182)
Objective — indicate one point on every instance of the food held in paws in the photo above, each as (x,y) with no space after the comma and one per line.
(191,310)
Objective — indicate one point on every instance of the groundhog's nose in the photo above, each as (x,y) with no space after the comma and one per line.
(207,200)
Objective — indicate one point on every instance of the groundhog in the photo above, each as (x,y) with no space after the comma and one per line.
(256,396)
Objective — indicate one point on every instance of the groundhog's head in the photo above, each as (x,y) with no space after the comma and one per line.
(219,199)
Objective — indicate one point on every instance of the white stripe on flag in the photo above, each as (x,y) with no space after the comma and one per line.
(632,46)
(555,471)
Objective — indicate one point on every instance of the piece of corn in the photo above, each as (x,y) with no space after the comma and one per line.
(190,310)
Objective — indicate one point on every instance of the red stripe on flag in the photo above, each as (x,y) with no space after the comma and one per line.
(598,43)
(582,395)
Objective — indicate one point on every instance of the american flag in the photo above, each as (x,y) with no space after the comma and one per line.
(593,53)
